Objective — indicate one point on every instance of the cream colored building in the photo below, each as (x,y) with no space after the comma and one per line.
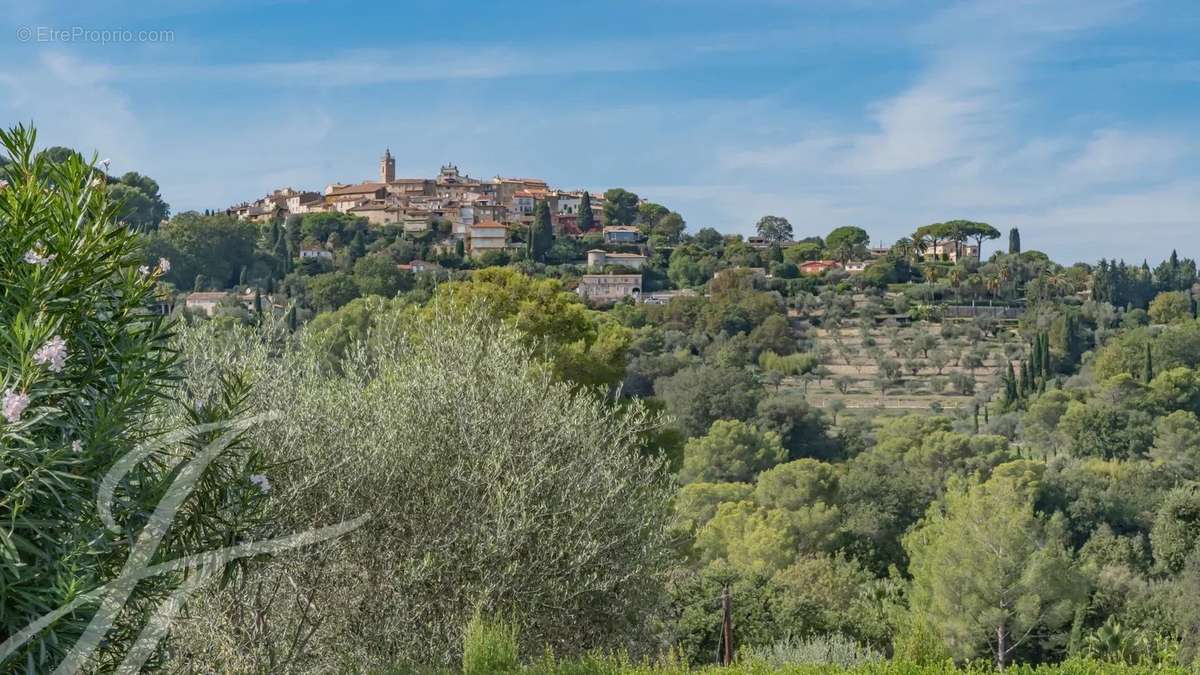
(377,213)
(598,258)
(486,236)
(205,301)
(417,220)
(951,250)
(608,288)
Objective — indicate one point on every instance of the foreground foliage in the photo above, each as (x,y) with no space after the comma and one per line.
(490,486)
(88,374)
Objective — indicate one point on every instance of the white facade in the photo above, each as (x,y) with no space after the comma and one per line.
(568,204)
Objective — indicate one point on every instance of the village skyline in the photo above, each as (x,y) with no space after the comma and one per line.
(1075,120)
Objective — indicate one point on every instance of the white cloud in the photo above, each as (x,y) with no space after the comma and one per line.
(73,103)
(1115,154)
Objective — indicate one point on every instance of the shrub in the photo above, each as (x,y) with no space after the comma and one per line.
(828,650)
(490,485)
(87,376)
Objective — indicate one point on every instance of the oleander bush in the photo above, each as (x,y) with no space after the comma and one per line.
(87,372)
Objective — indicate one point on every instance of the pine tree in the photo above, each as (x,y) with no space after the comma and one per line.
(587,219)
(1014,241)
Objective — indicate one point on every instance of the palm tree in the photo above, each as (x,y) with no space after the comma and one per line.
(975,282)
(920,244)
(1059,283)
(956,278)
(931,273)
(992,282)
(1006,275)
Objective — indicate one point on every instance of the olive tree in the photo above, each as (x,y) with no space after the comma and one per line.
(489,483)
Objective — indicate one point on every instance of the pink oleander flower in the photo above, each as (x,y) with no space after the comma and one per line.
(14,404)
(34,256)
(54,352)
(164,265)
(77,446)
(262,482)
(144,271)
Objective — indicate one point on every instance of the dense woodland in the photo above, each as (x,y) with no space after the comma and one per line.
(871,464)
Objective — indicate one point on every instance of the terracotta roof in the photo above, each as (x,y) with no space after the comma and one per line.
(361,188)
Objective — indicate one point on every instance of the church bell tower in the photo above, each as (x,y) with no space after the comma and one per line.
(387,167)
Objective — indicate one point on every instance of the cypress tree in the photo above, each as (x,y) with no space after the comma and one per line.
(1046,365)
(541,233)
(587,219)
(1010,386)
(1023,385)
(775,253)
(1035,360)
(358,246)
(258,302)
(281,253)
(1149,373)
(291,319)
(1014,241)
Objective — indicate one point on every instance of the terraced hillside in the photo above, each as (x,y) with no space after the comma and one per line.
(888,366)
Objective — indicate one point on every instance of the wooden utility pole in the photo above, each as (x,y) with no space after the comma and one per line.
(726,627)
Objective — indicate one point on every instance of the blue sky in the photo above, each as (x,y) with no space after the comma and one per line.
(1075,120)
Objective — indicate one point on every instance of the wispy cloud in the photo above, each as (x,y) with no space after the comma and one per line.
(74,103)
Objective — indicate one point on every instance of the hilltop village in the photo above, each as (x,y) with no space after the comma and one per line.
(495,220)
